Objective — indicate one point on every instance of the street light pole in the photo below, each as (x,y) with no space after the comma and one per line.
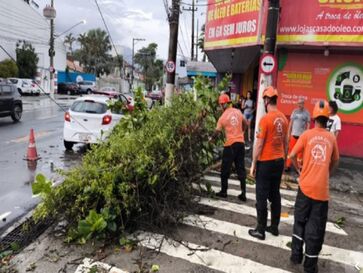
(132,61)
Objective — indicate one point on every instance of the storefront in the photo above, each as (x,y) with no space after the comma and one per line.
(319,53)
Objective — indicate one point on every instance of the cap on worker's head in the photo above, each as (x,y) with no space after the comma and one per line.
(321,109)
(224,98)
(270,92)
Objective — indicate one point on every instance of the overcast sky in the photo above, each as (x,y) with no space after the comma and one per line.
(126,19)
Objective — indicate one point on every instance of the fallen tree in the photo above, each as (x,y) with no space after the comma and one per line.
(142,175)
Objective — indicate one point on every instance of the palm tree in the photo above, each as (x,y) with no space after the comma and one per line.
(69,40)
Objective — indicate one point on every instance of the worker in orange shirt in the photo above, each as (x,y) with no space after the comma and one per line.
(233,123)
(320,158)
(268,164)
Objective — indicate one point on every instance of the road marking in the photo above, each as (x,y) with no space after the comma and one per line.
(331,253)
(246,210)
(88,264)
(210,258)
(237,183)
(26,138)
(4,215)
(232,192)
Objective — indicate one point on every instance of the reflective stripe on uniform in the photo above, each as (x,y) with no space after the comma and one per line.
(297,237)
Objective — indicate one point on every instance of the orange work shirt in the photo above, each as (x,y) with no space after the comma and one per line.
(273,130)
(231,123)
(319,148)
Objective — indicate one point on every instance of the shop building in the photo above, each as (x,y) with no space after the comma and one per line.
(319,54)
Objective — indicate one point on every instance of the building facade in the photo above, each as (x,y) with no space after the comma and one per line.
(23,21)
(319,54)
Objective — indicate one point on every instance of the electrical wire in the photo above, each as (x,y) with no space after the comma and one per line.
(107,29)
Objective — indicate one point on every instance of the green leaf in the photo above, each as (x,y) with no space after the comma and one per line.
(41,185)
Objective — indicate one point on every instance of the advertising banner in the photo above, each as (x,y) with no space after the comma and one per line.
(314,77)
(321,22)
(232,23)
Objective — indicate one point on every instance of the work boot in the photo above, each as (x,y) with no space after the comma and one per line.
(257,234)
(221,194)
(242,197)
(296,259)
(273,230)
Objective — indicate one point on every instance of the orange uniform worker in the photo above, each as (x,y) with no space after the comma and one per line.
(268,163)
(232,122)
(320,157)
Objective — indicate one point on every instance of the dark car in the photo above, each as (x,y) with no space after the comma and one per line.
(69,88)
(10,102)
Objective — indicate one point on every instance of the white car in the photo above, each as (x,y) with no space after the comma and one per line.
(22,85)
(88,121)
(25,86)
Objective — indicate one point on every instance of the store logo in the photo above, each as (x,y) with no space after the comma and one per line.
(343,4)
(345,86)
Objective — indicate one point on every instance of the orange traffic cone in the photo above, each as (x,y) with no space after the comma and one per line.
(32,150)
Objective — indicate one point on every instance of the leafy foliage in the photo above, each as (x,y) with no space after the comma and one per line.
(152,68)
(94,53)
(26,60)
(142,175)
(8,69)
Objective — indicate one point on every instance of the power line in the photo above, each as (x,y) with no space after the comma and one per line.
(107,29)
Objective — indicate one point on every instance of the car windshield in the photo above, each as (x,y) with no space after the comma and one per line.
(90,107)
(14,81)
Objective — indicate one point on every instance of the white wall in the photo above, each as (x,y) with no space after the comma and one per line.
(20,21)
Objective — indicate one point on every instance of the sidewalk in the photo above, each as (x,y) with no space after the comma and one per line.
(210,243)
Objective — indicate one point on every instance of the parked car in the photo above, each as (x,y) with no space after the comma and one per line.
(10,102)
(108,91)
(156,95)
(69,88)
(23,85)
(34,87)
(88,120)
(87,87)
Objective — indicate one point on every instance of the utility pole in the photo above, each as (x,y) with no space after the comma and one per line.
(133,61)
(49,12)
(193,9)
(269,48)
(197,41)
(173,43)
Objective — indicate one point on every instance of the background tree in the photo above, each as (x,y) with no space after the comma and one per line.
(94,53)
(8,69)
(152,68)
(70,40)
(201,42)
(26,60)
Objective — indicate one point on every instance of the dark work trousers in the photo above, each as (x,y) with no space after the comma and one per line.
(309,227)
(234,153)
(268,179)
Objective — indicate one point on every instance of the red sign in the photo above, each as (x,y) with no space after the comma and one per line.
(321,22)
(315,77)
(232,22)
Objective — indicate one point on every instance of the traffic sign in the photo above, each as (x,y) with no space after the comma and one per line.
(268,64)
(170,66)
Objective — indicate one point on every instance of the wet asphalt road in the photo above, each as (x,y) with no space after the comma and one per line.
(16,174)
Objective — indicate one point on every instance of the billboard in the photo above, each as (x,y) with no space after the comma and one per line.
(321,22)
(232,23)
(315,77)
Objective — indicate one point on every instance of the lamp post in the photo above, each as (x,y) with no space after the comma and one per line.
(132,65)
(83,22)
(49,12)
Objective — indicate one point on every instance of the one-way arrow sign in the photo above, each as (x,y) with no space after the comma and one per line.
(268,64)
